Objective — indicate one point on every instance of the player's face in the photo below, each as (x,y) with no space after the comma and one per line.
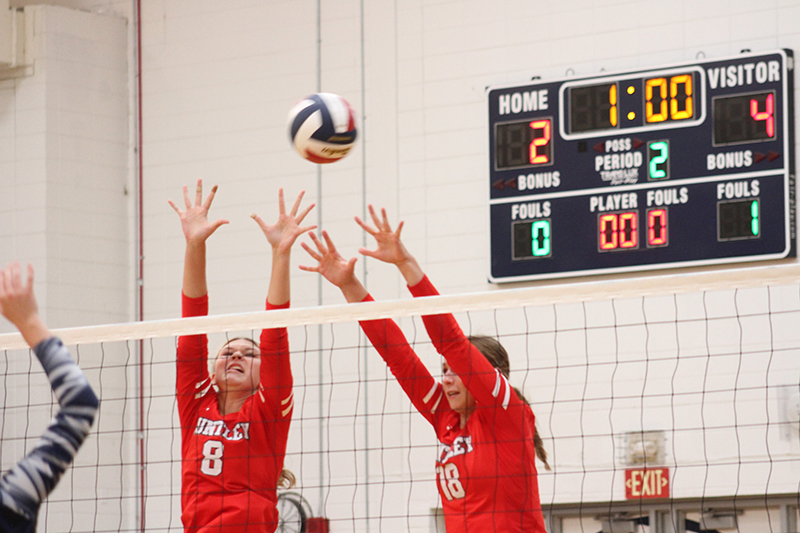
(461,401)
(237,366)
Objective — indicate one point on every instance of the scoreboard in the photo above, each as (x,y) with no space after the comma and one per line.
(671,167)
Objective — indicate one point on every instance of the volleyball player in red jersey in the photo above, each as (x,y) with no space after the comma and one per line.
(235,421)
(485,467)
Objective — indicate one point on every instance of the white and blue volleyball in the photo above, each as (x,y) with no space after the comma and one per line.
(322,128)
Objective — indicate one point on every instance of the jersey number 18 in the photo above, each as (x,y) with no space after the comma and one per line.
(448,479)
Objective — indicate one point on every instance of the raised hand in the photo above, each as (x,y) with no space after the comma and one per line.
(194,220)
(333,267)
(390,248)
(285,231)
(18,304)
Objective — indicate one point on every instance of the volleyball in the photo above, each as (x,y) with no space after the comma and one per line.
(322,127)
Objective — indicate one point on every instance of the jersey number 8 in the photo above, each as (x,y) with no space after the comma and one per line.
(212,458)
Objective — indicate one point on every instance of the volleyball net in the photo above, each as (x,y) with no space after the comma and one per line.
(665,404)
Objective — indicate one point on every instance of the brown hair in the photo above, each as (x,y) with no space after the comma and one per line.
(494,352)
(286,480)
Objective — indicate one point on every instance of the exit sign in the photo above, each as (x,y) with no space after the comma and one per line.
(646,483)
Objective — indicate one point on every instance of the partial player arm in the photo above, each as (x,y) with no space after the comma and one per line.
(419,385)
(276,371)
(423,390)
(486,384)
(192,379)
(26,485)
(192,369)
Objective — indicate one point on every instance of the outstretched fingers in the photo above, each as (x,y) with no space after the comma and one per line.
(304,213)
(297,201)
(198,193)
(320,247)
(175,207)
(281,202)
(16,296)
(329,242)
(316,255)
(30,277)
(209,198)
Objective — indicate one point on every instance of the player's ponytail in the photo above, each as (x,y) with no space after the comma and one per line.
(286,480)
(538,443)
(494,352)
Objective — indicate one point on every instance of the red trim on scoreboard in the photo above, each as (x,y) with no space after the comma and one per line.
(646,483)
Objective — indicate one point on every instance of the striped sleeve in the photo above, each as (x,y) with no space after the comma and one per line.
(26,485)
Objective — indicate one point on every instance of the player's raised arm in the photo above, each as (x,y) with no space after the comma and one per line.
(197,228)
(23,488)
(384,334)
(462,357)
(276,375)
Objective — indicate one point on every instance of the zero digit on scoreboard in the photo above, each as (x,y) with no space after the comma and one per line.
(669,98)
(618,231)
(657,227)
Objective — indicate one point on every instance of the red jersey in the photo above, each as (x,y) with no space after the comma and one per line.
(486,472)
(231,464)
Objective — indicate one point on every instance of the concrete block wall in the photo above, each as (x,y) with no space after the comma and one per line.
(66,198)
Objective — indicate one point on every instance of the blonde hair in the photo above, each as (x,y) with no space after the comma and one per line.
(286,480)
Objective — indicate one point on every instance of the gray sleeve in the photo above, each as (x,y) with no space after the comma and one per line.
(26,485)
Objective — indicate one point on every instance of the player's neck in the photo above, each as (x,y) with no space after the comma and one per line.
(231,401)
(464,416)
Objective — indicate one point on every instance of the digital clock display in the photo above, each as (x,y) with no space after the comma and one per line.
(593,107)
(669,167)
(669,99)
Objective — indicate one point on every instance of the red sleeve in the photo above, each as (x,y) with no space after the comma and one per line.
(192,366)
(276,368)
(486,384)
(422,389)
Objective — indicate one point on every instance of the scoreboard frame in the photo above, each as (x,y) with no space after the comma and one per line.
(671,167)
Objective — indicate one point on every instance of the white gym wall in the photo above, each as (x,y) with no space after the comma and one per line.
(217,80)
